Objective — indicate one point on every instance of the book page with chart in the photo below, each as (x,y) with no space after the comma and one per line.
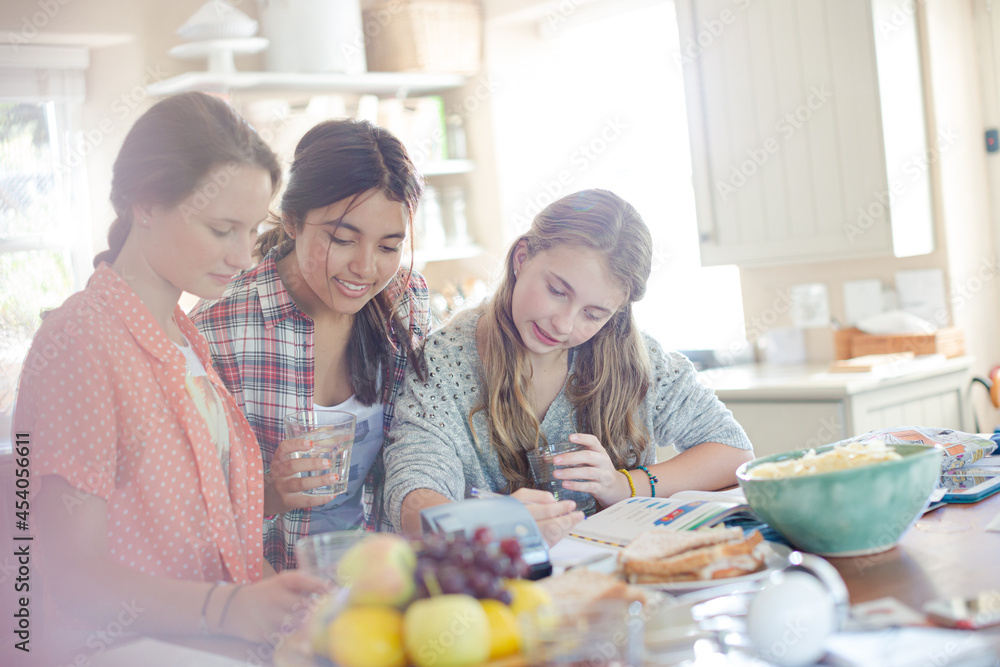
(617,525)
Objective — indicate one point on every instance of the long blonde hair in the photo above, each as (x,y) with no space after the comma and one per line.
(611,373)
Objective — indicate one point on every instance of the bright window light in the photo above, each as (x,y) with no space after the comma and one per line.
(600,103)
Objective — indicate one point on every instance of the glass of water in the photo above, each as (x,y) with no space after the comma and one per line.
(542,467)
(330,435)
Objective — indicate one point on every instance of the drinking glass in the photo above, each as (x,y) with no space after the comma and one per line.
(601,633)
(330,434)
(319,554)
(540,462)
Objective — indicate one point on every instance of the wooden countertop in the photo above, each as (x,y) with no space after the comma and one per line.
(947,553)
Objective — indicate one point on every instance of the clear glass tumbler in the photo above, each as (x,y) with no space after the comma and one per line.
(540,462)
(319,554)
(602,633)
(331,436)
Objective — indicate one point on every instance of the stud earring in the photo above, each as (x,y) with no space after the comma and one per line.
(515,273)
(145,222)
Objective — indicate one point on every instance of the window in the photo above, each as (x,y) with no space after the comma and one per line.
(594,97)
(44,232)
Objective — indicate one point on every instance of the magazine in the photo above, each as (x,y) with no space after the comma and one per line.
(618,525)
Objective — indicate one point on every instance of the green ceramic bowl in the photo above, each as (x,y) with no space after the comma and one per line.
(852,512)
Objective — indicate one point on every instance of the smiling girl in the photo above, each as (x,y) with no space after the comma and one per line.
(148,478)
(329,318)
(556,355)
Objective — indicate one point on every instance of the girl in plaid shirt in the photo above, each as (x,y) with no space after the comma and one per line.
(329,318)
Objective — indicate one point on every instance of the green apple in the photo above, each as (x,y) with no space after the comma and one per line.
(446,631)
(379,571)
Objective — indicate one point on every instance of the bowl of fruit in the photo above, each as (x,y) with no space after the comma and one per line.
(435,602)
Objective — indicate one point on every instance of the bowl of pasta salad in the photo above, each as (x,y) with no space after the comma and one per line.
(848,499)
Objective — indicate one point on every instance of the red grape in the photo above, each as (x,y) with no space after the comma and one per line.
(511,547)
(458,564)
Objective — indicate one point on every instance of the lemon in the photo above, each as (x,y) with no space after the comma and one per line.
(505,636)
(367,637)
(526,596)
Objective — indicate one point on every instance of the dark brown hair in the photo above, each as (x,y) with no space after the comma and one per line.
(341,160)
(170,149)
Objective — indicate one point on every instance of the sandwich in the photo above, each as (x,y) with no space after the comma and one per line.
(661,555)
(579,587)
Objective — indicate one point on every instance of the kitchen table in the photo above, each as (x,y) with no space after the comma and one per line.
(948,552)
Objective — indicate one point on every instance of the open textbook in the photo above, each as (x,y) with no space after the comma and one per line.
(617,525)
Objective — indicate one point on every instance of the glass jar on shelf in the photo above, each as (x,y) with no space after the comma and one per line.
(453,217)
(428,226)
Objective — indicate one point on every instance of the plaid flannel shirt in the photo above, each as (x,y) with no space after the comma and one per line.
(262,348)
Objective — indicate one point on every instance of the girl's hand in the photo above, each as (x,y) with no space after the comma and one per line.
(283,491)
(600,477)
(554,518)
(271,606)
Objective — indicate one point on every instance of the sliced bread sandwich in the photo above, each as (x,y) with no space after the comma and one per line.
(662,555)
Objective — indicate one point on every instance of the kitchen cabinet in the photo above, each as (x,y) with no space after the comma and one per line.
(784,408)
(449,173)
(807,129)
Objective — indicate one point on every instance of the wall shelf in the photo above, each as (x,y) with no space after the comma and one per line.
(446,167)
(422,256)
(400,84)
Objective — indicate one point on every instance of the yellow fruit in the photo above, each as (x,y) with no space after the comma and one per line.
(367,637)
(446,631)
(379,571)
(505,636)
(526,596)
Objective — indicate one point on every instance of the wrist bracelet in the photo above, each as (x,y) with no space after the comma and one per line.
(631,484)
(652,481)
(203,620)
(225,607)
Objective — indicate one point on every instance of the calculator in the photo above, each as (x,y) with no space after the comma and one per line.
(505,516)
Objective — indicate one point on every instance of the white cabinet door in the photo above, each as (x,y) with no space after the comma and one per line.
(788,129)
(785,426)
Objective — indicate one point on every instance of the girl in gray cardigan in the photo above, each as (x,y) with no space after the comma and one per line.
(555,355)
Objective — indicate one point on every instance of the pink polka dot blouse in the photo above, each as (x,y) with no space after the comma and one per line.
(102,396)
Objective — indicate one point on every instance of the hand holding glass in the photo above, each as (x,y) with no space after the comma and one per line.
(542,467)
(329,434)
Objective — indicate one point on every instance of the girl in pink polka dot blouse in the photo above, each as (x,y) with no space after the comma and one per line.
(147,481)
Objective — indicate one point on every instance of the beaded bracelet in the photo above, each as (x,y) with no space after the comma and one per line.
(631,484)
(652,481)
